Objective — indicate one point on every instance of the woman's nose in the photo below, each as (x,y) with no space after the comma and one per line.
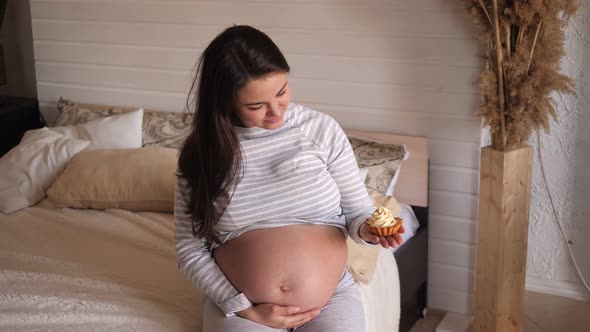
(274,109)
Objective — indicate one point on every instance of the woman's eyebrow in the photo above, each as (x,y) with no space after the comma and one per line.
(284,85)
(258,103)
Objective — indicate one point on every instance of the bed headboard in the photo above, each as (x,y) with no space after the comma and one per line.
(412,184)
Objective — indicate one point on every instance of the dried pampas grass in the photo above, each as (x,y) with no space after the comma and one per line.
(524,46)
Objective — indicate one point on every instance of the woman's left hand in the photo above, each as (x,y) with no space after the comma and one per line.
(392,241)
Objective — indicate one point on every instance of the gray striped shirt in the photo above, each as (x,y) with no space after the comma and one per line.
(304,172)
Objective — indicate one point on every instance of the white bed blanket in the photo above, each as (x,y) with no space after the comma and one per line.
(114,270)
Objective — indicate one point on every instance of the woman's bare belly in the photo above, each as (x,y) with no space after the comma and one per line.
(291,265)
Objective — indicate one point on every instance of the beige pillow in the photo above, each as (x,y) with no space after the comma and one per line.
(362,259)
(140,179)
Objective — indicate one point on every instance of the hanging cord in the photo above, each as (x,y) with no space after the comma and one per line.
(567,243)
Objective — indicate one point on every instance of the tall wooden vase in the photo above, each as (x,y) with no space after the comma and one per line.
(502,231)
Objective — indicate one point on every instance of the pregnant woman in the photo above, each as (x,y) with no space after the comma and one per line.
(267,193)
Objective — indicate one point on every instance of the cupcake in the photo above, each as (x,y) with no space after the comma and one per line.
(383,223)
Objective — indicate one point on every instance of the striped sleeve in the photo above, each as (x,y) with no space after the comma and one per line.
(355,202)
(196,262)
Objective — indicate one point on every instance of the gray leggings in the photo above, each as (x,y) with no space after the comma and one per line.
(343,313)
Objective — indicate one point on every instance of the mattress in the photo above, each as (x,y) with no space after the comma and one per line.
(80,270)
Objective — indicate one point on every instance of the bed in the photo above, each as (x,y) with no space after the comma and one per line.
(114,268)
(412,192)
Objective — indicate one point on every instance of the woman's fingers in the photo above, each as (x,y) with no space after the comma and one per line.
(395,240)
(398,238)
(392,241)
(367,235)
(300,319)
(372,238)
(385,241)
(401,229)
(278,316)
(285,310)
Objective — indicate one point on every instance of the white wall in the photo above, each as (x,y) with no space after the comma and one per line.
(385,65)
(566,156)
(17,40)
(581,225)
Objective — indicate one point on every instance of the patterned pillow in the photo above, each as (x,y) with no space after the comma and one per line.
(165,129)
(381,160)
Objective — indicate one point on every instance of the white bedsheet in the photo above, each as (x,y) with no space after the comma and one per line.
(81,270)
(381,297)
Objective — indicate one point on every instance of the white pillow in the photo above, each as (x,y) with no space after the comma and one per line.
(30,168)
(122,131)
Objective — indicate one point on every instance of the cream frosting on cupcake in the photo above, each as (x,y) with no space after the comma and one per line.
(382,217)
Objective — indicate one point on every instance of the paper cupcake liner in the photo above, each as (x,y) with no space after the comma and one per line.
(385,231)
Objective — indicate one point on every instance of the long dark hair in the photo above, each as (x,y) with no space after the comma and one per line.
(210,159)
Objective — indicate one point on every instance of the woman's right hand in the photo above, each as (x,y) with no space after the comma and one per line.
(277,316)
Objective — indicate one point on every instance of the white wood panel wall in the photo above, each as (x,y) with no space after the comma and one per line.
(395,66)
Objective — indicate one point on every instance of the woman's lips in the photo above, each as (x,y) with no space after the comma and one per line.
(273,120)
